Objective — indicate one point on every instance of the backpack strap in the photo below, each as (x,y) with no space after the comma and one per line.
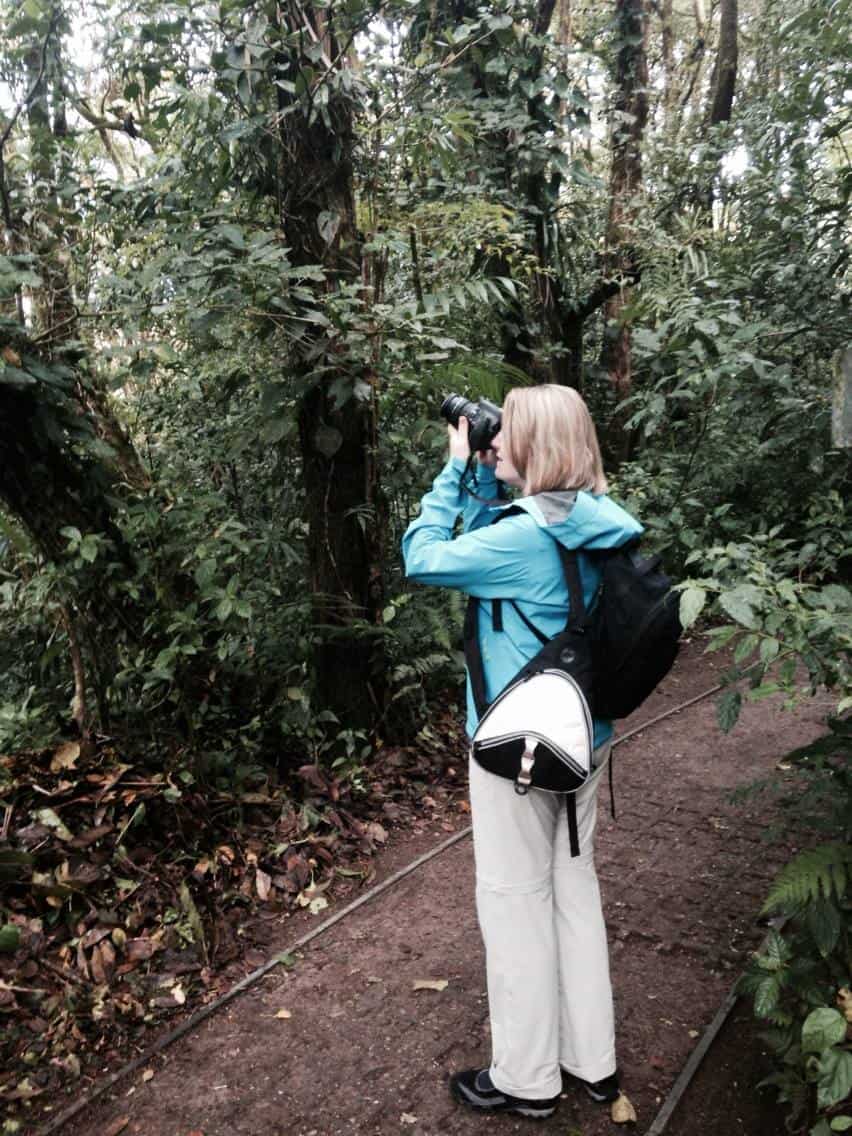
(573,833)
(576,606)
(497,615)
(473,656)
(611,789)
(540,635)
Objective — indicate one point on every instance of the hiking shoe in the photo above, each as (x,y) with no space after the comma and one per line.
(601,1091)
(474,1088)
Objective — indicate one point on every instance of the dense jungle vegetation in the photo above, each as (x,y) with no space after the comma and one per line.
(247,248)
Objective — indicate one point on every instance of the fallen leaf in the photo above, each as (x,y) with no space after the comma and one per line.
(70,1063)
(24,1090)
(11,356)
(97,967)
(317,905)
(408,1118)
(431,984)
(283,1014)
(140,949)
(262,883)
(694,1033)
(115,1126)
(51,819)
(844,1001)
(65,756)
(95,936)
(622,1111)
(178,994)
(148,1075)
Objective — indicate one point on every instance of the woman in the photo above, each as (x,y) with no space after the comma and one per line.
(539,909)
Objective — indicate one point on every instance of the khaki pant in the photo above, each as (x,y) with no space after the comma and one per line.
(549,992)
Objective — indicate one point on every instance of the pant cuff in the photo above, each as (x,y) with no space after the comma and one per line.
(595,1071)
(541,1090)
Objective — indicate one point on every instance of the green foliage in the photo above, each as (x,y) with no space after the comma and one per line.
(803,971)
(813,880)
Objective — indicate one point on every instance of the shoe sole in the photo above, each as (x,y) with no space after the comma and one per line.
(600,1099)
(518,1109)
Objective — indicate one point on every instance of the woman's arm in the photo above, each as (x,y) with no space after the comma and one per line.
(489,562)
(478,510)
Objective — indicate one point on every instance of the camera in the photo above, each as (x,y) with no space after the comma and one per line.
(483,419)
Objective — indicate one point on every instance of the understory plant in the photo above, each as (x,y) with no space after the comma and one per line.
(800,978)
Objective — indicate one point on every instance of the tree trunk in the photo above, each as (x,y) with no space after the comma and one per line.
(721,98)
(725,71)
(54,301)
(337,415)
(50,486)
(630,112)
(667,51)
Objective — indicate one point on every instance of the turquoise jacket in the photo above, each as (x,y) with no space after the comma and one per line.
(514,560)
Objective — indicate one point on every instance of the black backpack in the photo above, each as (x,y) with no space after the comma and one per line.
(616,654)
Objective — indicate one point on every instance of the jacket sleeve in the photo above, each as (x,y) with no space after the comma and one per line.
(488,562)
(478,510)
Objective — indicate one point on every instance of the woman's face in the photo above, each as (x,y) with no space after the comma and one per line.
(504,469)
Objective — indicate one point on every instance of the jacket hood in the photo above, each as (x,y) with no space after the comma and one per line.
(576,518)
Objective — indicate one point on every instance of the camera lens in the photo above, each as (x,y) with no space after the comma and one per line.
(454,406)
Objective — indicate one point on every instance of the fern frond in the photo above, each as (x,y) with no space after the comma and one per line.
(819,871)
(419,668)
(480,376)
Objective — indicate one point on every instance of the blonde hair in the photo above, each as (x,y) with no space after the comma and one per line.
(551,439)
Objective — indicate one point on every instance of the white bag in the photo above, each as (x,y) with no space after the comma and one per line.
(538,733)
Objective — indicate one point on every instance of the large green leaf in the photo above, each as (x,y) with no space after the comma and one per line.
(692,601)
(728,710)
(766,996)
(835,1078)
(822,1029)
(738,605)
(825,924)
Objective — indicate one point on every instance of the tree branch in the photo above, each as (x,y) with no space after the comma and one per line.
(28,98)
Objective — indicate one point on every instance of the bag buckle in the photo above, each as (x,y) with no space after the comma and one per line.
(524,778)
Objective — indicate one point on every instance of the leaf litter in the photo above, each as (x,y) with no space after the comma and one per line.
(130,894)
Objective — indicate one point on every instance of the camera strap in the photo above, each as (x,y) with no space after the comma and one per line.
(470,470)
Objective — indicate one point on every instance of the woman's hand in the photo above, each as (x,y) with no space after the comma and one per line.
(460,446)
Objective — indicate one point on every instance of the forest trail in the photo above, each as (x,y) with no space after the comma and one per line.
(343,1044)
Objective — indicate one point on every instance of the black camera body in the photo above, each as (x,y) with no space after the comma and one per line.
(484,419)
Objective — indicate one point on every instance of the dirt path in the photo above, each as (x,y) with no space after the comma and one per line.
(359,1051)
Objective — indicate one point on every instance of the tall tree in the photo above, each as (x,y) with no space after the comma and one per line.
(724,78)
(337,413)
